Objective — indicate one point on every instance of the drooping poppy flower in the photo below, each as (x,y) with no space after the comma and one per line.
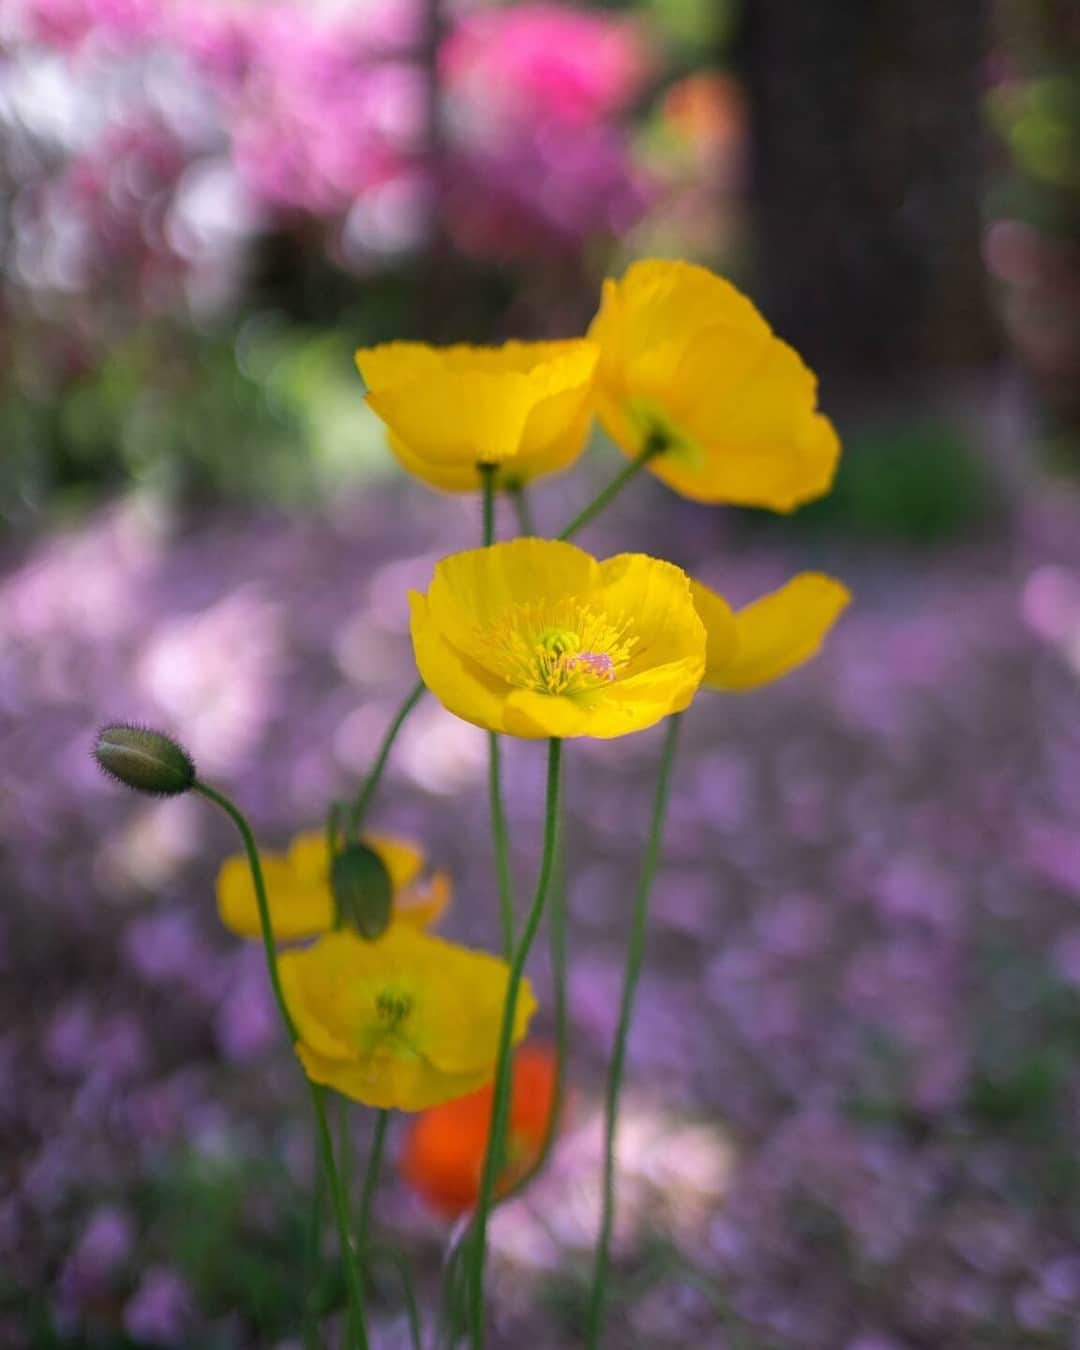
(407,1021)
(688,366)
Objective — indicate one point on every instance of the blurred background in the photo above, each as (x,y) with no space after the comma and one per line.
(851,1115)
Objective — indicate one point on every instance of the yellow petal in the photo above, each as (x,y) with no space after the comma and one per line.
(558,452)
(762,441)
(533,716)
(322,1033)
(552,364)
(298,908)
(558,420)
(719,620)
(401,858)
(473,590)
(458,1022)
(781,631)
(485,582)
(458,418)
(390,1083)
(459,684)
(308,858)
(425,904)
(657,595)
(393,364)
(523,407)
(660,303)
(447,476)
(646,698)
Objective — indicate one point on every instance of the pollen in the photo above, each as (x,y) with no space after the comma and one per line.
(567,648)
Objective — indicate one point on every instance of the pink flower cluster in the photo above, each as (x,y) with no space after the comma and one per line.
(323,114)
(544,60)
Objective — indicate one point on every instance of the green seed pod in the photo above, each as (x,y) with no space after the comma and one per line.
(363,891)
(144,760)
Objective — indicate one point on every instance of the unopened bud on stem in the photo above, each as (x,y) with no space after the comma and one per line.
(144,760)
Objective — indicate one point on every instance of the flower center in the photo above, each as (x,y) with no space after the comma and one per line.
(393,1006)
(568,648)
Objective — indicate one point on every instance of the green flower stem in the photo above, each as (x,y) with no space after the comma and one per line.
(397,1259)
(371,1177)
(312,1255)
(557,935)
(269,949)
(501,841)
(655,445)
(451,1311)
(341,1214)
(344,1148)
(333,827)
(500,1109)
(495,798)
(358,809)
(634,953)
(519,495)
(317,1094)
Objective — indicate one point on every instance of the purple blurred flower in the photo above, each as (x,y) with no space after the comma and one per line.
(912,889)
(120,1048)
(71,1037)
(159,1311)
(106,1243)
(167,948)
(247,1021)
(1050,850)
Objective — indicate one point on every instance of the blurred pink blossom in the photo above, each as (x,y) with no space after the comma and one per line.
(565,64)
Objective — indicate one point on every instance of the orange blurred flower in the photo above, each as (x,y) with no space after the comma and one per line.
(708,110)
(445,1146)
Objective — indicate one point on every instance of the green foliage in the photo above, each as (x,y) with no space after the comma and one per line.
(1026,1090)
(919,484)
(238,1231)
(1029,1049)
(1039,119)
(1027,1069)
(269,412)
(162,409)
(691,27)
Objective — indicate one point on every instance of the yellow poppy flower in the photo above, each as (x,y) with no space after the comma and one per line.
(774,635)
(298,887)
(535,638)
(408,1021)
(523,407)
(686,358)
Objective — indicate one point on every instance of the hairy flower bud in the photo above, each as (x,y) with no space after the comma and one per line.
(363,891)
(145,760)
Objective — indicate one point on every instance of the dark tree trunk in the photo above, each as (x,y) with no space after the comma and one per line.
(865,181)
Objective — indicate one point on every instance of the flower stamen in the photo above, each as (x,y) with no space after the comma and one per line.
(566,649)
(393,1007)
